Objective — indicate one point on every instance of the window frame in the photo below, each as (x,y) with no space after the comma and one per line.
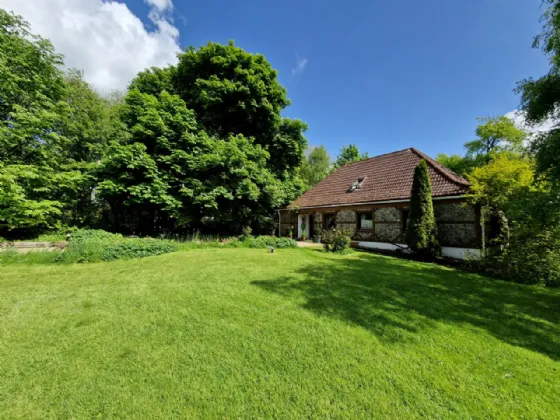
(325,216)
(359,221)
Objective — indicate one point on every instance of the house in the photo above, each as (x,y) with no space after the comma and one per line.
(371,198)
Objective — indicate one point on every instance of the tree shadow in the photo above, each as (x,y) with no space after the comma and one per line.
(396,299)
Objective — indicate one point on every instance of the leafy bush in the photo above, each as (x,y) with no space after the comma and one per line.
(246,233)
(336,240)
(529,258)
(137,248)
(89,245)
(266,241)
(83,235)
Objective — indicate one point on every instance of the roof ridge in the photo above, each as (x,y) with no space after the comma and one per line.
(442,170)
(378,156)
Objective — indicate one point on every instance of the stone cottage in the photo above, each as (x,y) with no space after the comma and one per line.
(371,199)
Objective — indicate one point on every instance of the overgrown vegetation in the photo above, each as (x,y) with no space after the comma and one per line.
(91,245)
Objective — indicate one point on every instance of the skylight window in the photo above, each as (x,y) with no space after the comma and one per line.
(356,185)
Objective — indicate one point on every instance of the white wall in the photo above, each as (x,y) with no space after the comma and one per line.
(459,253)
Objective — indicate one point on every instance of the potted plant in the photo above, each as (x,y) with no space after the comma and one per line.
(303,231)
(317,236)
(291,232)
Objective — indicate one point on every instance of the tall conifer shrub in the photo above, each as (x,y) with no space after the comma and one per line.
(421,232)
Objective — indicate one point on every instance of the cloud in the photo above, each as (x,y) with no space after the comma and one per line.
(519,119)
(301,64)
(103,38)
(161,5)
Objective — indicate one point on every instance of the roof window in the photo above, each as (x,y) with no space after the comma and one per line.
(356,185)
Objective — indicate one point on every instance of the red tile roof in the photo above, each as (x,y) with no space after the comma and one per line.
(387,177)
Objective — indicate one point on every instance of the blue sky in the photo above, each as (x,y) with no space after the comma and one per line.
(384,74)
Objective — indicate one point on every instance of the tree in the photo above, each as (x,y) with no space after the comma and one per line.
(316,167)
(348,154)
(540,98)
(421,232)
(235,92)
(39,180)
(462,165)
(495,135)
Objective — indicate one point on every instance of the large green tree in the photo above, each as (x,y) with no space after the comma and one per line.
(316,167)
(234,92)
(349,154)
(421,231)
(495,135)
(540,98)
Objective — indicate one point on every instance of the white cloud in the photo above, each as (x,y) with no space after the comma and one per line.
(519,119)
(161,5)
(103,37)
(301,64)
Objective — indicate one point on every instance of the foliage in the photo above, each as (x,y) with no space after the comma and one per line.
(137,248)
(272,241)
(461,165)
(53,128)
(421,232)
(336,240)
(94,245)
(316,167)
(530,257)
(85,235)
(245,233)
(498,183)
(540,98)
(349,154)
(200,145)
(498,134)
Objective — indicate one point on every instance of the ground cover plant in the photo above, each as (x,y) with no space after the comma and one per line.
(93,245)
(299,333)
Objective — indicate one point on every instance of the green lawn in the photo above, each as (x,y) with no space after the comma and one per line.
(242,333)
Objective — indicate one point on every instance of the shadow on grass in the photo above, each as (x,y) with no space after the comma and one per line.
(395,299)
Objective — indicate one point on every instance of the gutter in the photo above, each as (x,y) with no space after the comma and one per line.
(448,197)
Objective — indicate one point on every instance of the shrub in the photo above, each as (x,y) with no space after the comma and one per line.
(245,233)
(82,235)
(336,240)
(137,248)
(421,232)
(266,241)
(529,258)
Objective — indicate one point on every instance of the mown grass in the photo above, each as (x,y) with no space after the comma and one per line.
(243,333)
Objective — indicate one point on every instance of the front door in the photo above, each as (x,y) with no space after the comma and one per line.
(311,231)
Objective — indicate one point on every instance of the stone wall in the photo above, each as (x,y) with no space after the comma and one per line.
(458,225)
(346,220)
(388,214)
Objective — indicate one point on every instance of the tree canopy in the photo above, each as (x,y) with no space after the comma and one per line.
(199,145)
(316,167)
(540,98)
(348,154)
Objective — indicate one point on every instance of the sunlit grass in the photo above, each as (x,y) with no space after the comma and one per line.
(243,333)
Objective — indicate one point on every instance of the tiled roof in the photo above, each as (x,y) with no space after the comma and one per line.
(387,177)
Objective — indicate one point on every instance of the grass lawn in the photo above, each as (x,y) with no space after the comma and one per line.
(241,333)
